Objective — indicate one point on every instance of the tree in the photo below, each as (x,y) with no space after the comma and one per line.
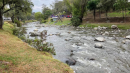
(46,12)
(107,5)
(122,5)
(78,8)
(22,5)
(92,5)
(38,16)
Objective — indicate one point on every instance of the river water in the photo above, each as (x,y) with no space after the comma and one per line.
(78,44)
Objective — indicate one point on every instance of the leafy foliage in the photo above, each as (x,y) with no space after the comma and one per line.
(46,13)
(17,22)
(75,21)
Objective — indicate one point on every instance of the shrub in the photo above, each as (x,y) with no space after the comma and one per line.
(75,21)
(51,20)
(48,47)
(17,22)
(43,21)
(22,37)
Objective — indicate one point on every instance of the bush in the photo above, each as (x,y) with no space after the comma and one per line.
(15,31)
(43,21)
(17,22)
(48,47)
(75,21)
(51,20)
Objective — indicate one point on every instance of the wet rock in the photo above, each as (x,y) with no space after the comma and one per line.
(35,30)
(98,45)
(67,39)
(69,32)
(104,28)
(105,33)
(92,59)
(100,28)
(50,35)
(79,44)
(114,27)
(38,26)
(99,39)
(126,41)
(127,37)
(95,28)
(35,33)
(44,32)
(58,34)
(71,61)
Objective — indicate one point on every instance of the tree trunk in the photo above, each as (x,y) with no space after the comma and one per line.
(12,18)
(99,13)
(94,13)
(106,15)
(123,17)
(1,19)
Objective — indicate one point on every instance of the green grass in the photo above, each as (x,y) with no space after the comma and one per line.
(118,14)
(65,22)
(22,58)
(120,25)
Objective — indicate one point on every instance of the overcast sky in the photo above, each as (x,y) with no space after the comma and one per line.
(38,4)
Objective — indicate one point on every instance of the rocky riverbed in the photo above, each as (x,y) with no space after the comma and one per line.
(88,50)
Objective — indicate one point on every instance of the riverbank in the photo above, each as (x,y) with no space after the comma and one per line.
(67,21)
(17,56)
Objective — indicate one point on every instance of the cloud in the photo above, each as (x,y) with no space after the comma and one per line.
(38,4)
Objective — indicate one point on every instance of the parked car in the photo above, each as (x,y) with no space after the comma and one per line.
(68,16)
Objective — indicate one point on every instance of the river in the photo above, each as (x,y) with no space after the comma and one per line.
(77,44)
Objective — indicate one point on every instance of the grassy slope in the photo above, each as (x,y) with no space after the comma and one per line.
(65,21)
(18,57)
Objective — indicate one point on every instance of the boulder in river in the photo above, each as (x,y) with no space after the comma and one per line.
(99,39)
(114,27)
(71,61)
(126,41)
(35,30)
(35,33)
(95,28)
(127,37)
(44,32)
(105,33)
(98,45)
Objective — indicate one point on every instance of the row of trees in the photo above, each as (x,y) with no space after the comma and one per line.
(79,7)
(46,12)
(16,9)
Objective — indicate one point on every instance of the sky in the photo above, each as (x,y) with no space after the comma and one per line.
(38,4)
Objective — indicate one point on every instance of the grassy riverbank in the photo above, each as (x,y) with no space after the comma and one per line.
(18,57)
(120,25)
(65,21)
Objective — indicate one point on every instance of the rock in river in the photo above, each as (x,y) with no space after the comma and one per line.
(114,27)
(98,45)
(99,39)
(35,33)
(127,37)
(71,61)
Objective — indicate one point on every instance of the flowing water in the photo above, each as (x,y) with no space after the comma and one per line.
(78,44)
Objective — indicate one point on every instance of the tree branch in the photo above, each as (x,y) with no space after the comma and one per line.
(11,9)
